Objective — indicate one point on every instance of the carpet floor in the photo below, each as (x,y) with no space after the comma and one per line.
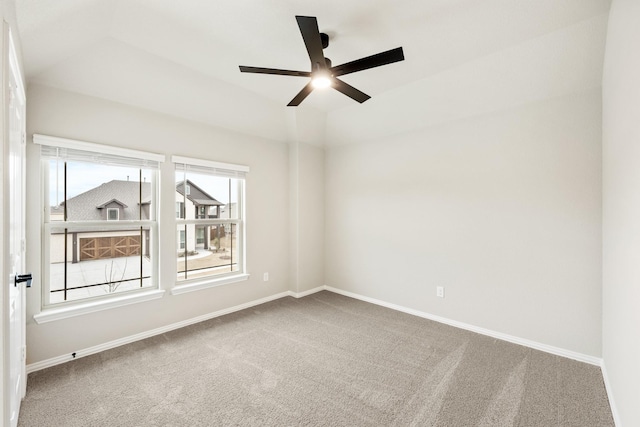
(322,360)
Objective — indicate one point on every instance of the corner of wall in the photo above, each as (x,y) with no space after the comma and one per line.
(306,199)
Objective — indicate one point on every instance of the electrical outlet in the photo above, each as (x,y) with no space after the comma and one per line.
(440,291)
(265,277)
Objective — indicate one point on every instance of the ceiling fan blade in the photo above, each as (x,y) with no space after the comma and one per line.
(383,58)
(311,36)
(350,91)
(261,70)
(301,95)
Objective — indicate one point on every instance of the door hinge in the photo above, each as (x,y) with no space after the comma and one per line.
(24,353)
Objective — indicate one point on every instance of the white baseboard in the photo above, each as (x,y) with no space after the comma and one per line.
(308,292)
(499,335)
(612,403)
(137,337)
(132,338)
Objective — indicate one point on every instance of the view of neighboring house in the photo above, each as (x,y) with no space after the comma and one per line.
(198,204)
(118,200)
(111,201)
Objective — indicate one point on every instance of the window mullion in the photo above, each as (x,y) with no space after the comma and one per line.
(65,191)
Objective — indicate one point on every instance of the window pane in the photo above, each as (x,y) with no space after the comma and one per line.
(96,192)
(56,190)
(101,205)
(98,263)
(206,250)
(205,196)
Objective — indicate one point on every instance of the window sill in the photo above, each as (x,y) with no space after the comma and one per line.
(211,283)
(52,314)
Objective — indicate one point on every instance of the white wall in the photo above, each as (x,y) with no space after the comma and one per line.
(310,217)
(503,210)
(621,209)
(64,114)
(306,132)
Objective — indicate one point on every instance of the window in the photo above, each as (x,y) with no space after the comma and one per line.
(211,231)
(100,205)
(113,214)
(179,210)
(181,239)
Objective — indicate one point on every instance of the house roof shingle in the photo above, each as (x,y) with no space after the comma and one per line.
(88,206)
(197,195)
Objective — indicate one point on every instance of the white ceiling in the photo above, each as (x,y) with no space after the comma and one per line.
(463,57)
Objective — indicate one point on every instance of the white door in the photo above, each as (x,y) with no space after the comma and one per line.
(15,137)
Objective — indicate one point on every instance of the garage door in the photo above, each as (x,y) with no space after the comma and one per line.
(109,247)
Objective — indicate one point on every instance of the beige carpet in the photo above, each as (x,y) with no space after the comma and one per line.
(323,360)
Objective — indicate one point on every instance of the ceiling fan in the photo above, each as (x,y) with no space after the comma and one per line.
(322,73)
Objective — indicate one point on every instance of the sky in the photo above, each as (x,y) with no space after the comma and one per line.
(82,177)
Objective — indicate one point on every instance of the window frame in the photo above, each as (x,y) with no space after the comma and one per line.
(57,310)
(224,170)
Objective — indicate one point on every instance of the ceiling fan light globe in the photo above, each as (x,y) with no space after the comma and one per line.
(321,82)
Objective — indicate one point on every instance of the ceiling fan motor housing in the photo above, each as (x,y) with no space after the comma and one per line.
(324,38)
